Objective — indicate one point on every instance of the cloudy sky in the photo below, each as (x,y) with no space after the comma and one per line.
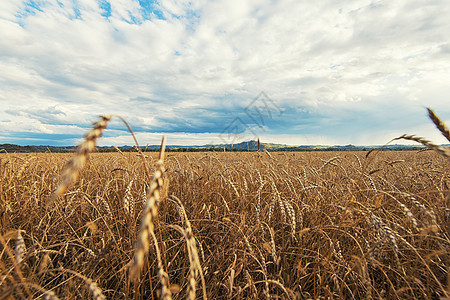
(293,72)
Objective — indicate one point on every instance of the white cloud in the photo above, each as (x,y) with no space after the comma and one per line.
(333,59)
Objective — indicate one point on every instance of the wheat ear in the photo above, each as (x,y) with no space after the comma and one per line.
(16,266)
(194,260)
(149,216)
(72,169)
(19,248)
(442,128)
(95,290)
(439,124)
(439,149)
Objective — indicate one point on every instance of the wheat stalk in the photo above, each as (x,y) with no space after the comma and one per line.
(149,216)
(386,232)
(439,149)
(71,171)
(96,292)
(19,248)
(439,124)
(407,212)
(268,154)
(128,200)
(118,150)
(258,208)
(325,163)
(291,214)
(194,260)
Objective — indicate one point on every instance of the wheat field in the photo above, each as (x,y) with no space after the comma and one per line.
(247,225)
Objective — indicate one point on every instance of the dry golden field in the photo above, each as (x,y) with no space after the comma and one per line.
(248,225)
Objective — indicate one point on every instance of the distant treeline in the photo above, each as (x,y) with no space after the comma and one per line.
(242,147)
(27,149)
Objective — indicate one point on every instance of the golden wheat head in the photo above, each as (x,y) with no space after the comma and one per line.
(442,128)
(439,124)
(149,216)
(71,171)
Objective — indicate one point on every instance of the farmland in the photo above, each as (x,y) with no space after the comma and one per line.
(241,225)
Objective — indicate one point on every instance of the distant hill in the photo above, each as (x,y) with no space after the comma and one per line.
(253,145)
(243,146)
(24,149)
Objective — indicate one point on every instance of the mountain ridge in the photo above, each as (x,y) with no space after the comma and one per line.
(251,145)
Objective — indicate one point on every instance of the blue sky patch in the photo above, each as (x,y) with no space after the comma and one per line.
(29,8)
(76,11)
(150,10)
(106,7)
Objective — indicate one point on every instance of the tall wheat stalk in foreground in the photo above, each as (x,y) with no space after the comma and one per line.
(147,228)
(72,170)
(442,128)
(195,267)
(444,151)
(439,124)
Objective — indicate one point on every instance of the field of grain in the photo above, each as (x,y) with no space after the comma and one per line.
(248,225)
